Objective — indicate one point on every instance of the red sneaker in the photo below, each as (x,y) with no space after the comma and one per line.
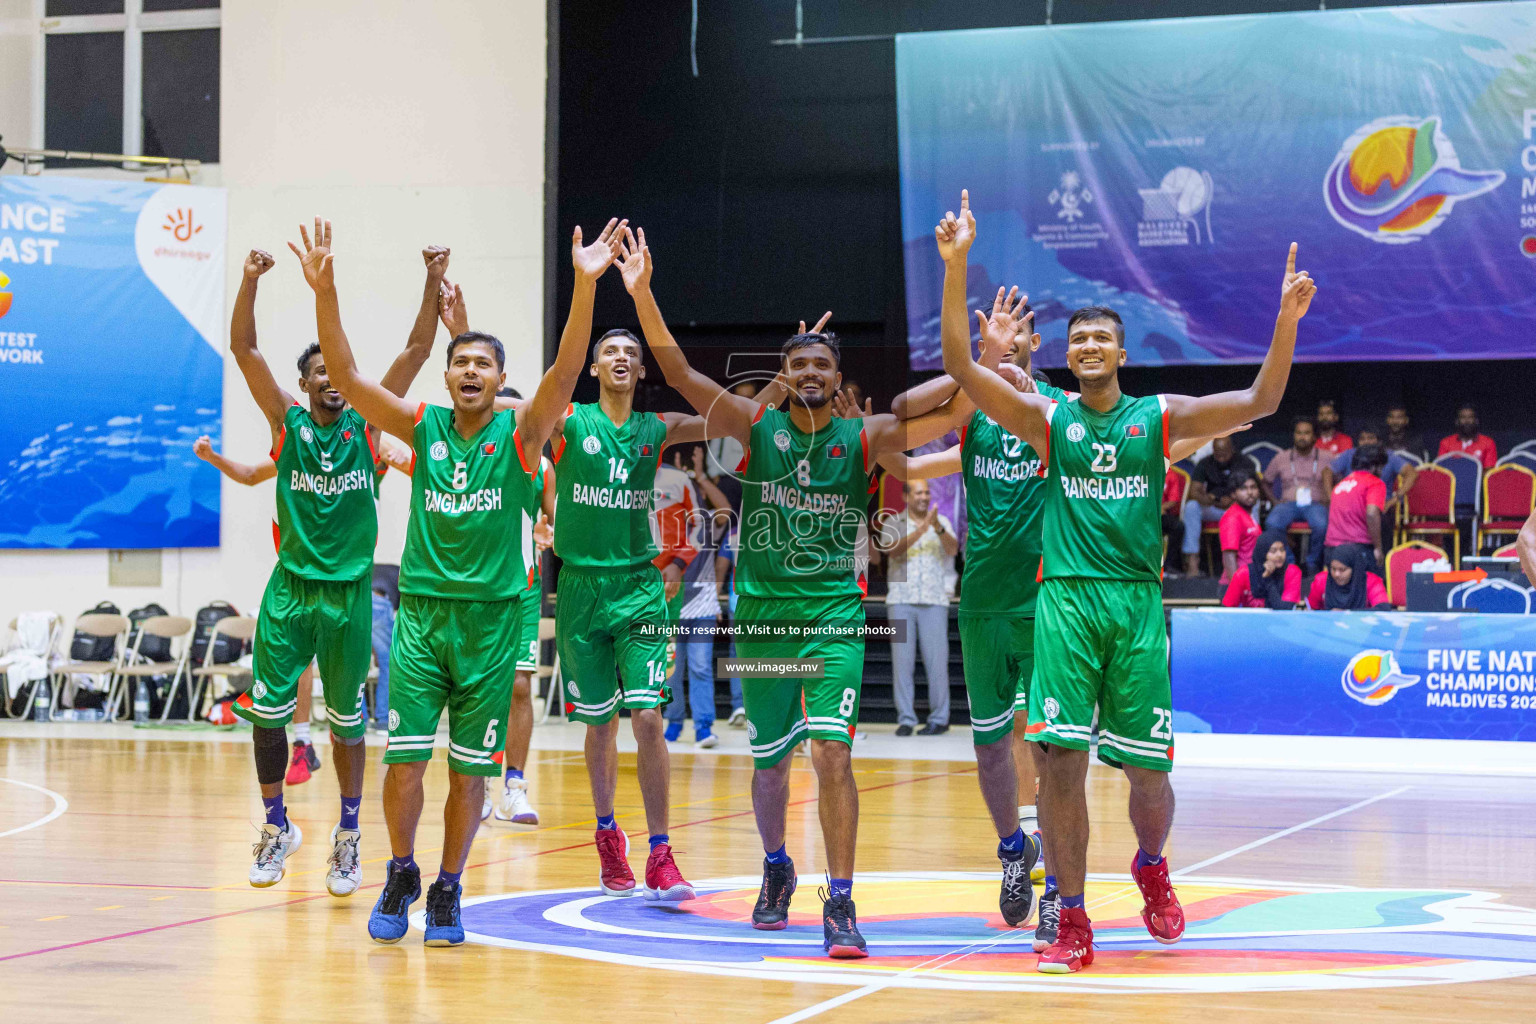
(663,882)
(1073,948)
(1161,913)
(614,876)
(298,768)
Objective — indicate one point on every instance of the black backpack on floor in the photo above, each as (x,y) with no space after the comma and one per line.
(227,649)
(84,647)
(151,648)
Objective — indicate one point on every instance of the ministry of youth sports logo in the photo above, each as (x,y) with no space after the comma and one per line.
(394,719)
(259,690)
(1051,708)
(307,434)
(438,451)
(1075,432)
(591,445)
(781,440)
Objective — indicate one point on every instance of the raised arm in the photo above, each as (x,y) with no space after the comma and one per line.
(538,419)
(931,394)
(270,398)
(377,405)
(418,344)
(1023,415)
(907,468)
(239,472)
(727,415)
(1212,414)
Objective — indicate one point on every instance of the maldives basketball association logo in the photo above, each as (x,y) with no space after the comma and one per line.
(1396,179)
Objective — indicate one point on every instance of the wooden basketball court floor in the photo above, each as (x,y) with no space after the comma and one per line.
(1312,895)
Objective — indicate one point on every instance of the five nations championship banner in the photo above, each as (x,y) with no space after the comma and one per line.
(111,311)
(1162,168)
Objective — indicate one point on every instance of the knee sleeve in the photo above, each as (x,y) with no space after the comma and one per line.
(346,741)
(271,746)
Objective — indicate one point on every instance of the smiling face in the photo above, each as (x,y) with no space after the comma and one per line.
(1275,556)
(1342,572)
(1397,419)
(618,364)
(316,383)
(918,496)
(473,376)
(812,374)
(1094,351)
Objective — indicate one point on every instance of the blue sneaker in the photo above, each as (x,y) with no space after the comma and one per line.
(674,730)
(390,918)
(443,925)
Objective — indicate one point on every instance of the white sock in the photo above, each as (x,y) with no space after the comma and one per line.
(1029,819)
(301,732)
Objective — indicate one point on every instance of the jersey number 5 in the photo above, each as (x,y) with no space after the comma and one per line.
(1104,458)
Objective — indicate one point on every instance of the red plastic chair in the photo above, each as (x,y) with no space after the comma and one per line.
(1509,495)
(1507,551)
(1400,561)
(1431,508)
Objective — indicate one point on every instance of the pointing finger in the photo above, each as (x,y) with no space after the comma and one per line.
(1290,260)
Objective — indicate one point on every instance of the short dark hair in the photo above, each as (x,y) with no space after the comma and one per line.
(810,338)
(1088,313)
(1460,406)
(470,337)
(1369,457)
(1332,403)
(1304,418)
(1371,428)
(1039,376)
(305,356)
(617,332)
(509,393)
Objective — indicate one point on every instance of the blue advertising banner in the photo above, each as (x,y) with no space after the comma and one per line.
(111,364)
(1163,168)
(1401,674)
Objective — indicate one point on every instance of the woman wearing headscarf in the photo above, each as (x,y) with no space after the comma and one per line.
(1271,579)
(1348,583)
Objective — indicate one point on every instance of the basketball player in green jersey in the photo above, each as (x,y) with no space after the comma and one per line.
(317,602)
(1100,639)
(805,487)
(460,581)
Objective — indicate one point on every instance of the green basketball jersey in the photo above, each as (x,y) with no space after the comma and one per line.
(603,479)
(1104,490)
(802,509)
(465,540)
(327,485)
(531,516)
(1004,513)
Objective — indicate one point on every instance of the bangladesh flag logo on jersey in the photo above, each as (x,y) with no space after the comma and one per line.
(646,451)
(489,448)
(346,435)
(837,451)
(1135,430)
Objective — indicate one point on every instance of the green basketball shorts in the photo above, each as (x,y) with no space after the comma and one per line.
(612,630)
(459,655)
(1103,642)
(532,602)
(300,621)
(781,712)
(999,656)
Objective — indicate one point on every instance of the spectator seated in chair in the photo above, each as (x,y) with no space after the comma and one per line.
(1349,584)
(1210,496)
(1330,439)
(1467,440)
(1237,529)
(1400,435)
(1395,465)
(1271,579)
(1295,481)
(1357,503)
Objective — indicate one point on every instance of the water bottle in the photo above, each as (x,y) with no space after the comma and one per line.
(141,701)
(42,700)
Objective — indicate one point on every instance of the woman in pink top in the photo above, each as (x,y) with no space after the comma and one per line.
(1271,579)
(1348,584)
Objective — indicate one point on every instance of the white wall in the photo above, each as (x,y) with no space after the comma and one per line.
(405,123)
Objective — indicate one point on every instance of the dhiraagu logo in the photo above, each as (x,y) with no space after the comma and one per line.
(1372,677)
(5,296)
(1396,179)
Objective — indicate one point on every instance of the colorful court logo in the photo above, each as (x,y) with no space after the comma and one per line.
(1397,178)
(942,930)
(5,296)
(1372,677)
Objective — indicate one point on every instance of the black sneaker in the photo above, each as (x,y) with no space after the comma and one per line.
(772,910)
(443,925)
(933,730)
(1018,891)
(840,928)
(903,730)
(1050,920)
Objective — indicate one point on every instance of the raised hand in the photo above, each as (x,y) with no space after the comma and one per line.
(203,446)
(844,407)
(1007,326)
(1297,290)
(451,309)
(396,456)
(1014,375)
(634,262)
(819,324)
(436,258)
(257,263)
(591,260)
(315,253)
(955,234)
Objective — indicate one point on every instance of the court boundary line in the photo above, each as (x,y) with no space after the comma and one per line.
(60,805)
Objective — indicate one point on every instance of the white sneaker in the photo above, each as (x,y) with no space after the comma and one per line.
(738,718)
(485,808)
(272,849)
(514,806)
(708,742)
(345,872)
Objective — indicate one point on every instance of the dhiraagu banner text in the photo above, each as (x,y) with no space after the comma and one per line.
(1163,167)
(111,311)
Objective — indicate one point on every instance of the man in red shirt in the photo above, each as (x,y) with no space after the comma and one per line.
(1330,438)
(1468,440)
(1237,528)
(1354,512)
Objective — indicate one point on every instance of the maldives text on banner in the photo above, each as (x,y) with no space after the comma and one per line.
(111,320)
(1163,167)
(1403,674)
